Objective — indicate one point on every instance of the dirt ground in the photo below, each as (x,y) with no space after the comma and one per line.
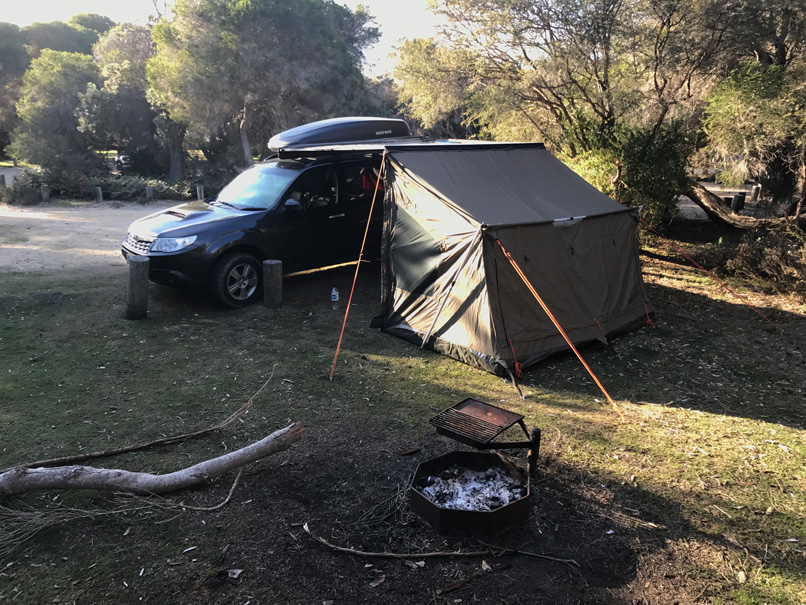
(569,552)
(50,238)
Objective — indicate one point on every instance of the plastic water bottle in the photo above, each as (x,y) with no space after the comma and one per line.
(334,299)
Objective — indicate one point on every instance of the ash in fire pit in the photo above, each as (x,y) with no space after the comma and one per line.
(459,488)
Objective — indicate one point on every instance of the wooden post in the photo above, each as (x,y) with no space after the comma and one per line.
(45,193)
(137,296)
(272,284)
(99,196)
(200,192)
(755,193)
(149,193)
(2,180)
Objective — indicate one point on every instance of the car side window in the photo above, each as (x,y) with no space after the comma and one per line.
(316,190)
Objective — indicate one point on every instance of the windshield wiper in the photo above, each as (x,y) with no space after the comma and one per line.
(217,202)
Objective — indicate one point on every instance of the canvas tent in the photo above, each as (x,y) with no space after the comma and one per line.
(449,213)
(450,210)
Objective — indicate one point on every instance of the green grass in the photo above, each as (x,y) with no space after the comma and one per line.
(712,449)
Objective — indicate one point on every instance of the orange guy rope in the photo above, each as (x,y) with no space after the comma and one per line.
(358,264)
(559,328)
(712,276)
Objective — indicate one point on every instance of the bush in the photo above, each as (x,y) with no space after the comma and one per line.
(28,187)
(133,188)
(653,169)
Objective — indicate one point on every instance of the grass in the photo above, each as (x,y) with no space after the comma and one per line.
(712,450)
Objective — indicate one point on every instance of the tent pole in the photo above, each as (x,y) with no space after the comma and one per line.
(458,270)
(357,266)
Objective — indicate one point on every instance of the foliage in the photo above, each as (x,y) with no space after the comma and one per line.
(48,133)
(14,60)
(119,115)
(640,168)
(776,257)
(756,125)
(59,36)
(306,53)
(91,21)
(133,188)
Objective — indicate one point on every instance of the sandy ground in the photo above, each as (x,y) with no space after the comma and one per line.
(47,238)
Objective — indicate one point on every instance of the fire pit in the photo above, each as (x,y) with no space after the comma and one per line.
(477,491)
(470,491)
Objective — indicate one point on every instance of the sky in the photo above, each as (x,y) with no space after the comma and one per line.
(397,19)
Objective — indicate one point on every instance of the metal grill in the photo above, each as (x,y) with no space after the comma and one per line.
(137,245)
(474,422)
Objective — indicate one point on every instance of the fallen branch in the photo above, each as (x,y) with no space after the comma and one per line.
(22,480)
(65,460)
(491,550)
(723,215)
(394,555)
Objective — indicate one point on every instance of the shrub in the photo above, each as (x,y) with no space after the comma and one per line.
(133,188)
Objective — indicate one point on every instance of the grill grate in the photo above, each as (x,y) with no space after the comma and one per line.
(474,422)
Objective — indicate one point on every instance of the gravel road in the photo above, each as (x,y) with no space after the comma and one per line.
(47,238)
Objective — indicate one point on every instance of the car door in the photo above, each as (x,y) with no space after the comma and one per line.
(295,232)
(359,187)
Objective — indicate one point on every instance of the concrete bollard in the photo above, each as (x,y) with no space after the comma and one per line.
(45,193)
(137,295)
(272,284)
(99,196)
(199,192)
(149,193)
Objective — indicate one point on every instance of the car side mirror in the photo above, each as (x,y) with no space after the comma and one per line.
(292,204)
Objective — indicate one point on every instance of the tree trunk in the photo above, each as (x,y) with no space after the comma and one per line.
(22,480)
(725,216)
(176,151)
(247,149)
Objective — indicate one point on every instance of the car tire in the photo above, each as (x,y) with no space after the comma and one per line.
(237,280)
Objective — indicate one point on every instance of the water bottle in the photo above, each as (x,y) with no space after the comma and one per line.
(334,299)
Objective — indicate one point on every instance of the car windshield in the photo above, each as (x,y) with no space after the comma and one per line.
(258,188)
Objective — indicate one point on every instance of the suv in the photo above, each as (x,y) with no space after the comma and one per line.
(307,212)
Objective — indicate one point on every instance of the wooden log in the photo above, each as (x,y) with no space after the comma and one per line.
(22,480)
(137,295)
(272,284)
(45,190)
(99,196)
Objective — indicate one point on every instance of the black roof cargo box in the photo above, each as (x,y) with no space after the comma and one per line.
(339,130)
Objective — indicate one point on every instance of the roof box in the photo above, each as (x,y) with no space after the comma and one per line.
(340,130)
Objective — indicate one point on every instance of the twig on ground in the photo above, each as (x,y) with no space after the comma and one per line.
(491,550)
(393,555)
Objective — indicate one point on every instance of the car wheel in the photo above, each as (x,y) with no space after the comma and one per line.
(237,280)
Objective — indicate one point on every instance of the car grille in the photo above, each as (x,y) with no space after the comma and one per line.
(137,245)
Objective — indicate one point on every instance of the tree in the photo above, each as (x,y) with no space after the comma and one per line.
(588,79)
(48,133)
(756,125)
(243,70)
(14,61)
(91,21)
(118,115)
(60,36)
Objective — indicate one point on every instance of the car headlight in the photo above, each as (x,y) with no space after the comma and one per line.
(172,244)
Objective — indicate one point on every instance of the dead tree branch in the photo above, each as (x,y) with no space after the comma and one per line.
(723,215)
(22,480)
